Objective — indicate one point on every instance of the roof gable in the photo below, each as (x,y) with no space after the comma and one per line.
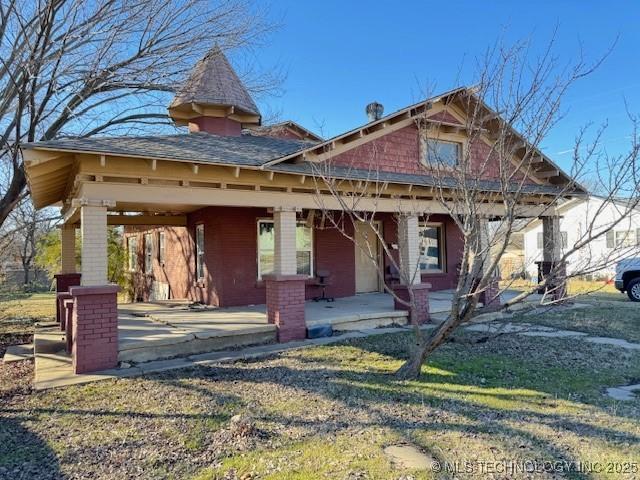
(544,170)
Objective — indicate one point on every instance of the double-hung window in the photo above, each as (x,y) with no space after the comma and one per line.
(622,238)
(148,253)
(132,253)
(200,252)
(432,253)
(304,248)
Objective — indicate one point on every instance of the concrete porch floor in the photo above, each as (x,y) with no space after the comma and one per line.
(153,331)
(148,331)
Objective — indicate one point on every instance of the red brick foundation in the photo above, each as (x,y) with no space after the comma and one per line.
(490,297)
(94,328)
(421,296)
(285,305)
(64,281)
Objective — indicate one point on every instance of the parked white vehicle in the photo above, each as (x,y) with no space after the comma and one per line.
(627,277)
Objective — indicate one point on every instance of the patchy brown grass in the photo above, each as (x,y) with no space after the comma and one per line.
(328,412)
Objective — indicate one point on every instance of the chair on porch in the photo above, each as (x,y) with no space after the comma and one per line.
(322,280)
(392,277)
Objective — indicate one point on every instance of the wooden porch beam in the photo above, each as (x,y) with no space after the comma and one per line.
(168,220)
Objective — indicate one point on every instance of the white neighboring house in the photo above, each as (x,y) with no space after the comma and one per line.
(599,257)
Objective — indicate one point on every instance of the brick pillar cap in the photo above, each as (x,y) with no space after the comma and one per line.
(283,278)
(94,290)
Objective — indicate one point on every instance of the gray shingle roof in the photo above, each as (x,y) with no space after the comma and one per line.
(348,173)
(245,150)
(213,81)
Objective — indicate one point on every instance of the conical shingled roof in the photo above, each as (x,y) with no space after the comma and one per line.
(214,82)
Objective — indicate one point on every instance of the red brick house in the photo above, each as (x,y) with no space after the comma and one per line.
(226,214)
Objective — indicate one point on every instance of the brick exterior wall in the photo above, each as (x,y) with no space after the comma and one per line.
(231,268)
(285,297)
(231,261)
(95,328)
(421,301)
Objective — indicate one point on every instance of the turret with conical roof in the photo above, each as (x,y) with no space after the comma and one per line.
(213,99)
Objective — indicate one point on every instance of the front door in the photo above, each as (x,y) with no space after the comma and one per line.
(366,244)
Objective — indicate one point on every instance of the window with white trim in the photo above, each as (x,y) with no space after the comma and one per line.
(622,238)
(161,248)
(200,252)
(304,248)
(442,152)
(132,254)
(148,253)
(432,252)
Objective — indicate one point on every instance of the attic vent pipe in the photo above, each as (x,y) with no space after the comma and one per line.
(374,111)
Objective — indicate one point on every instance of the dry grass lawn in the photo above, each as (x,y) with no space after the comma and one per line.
(328,412)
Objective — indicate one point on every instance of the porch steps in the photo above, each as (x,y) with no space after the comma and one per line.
(17,353)
(194,342)
(364,321)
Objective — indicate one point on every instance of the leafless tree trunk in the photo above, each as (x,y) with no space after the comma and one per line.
(512,107)
(79,68)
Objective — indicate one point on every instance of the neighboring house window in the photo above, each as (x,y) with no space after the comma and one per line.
(132,253)
(440,152)
(432,255)
(621,238)
(148,253)
(161,248)
(304,248)
(200,252)
(563,235)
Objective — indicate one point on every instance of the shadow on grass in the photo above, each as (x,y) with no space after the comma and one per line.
(23,454)
(446,398)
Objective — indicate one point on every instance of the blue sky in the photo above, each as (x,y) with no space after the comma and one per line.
(341,55)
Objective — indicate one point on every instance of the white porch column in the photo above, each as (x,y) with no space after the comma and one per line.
(284,229)
(409,248)
(93,226)
(68,248)
(551,241)
(483,243)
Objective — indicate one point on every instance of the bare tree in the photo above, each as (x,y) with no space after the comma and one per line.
(20,235)
(80,68)
(510,110)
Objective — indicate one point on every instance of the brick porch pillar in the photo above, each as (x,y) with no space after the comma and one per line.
(64,281)
(490,296)
(286,289)
(421,297)
(285,306)
(94,328)
(551,267)
(94,321)
(410,277)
